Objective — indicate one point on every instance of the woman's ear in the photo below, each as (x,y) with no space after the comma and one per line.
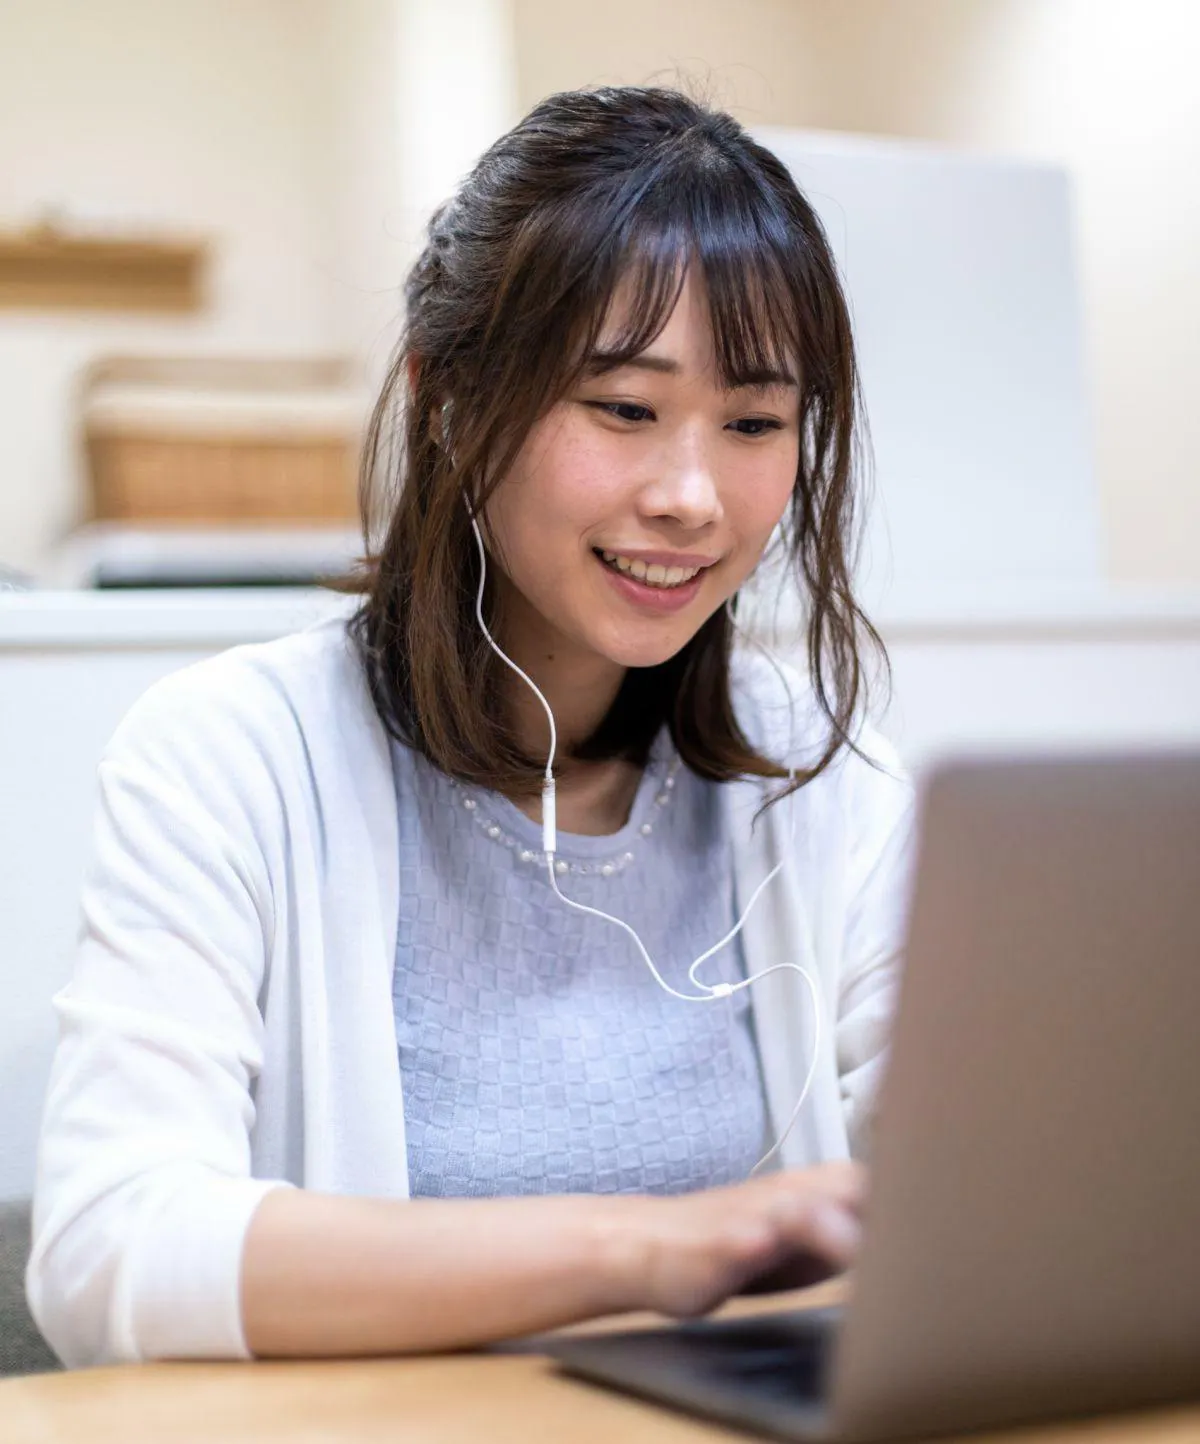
(414,373)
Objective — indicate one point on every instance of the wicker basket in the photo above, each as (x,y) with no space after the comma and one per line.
(216,441)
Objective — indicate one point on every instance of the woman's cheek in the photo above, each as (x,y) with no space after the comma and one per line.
(593,482)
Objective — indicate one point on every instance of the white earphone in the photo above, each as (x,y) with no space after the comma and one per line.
(705,993)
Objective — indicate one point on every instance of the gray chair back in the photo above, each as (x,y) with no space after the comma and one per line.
(22,1348)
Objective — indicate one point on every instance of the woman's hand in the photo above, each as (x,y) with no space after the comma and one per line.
(782,1230)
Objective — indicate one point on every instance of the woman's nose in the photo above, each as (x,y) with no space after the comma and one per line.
(685,486)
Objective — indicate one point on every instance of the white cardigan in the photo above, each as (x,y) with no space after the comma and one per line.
(229,1024)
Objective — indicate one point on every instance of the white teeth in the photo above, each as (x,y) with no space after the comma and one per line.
(654,575)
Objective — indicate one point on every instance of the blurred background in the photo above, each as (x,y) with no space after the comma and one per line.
(206,212)
(299,146)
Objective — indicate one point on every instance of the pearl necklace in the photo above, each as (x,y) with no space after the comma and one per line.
(601,867)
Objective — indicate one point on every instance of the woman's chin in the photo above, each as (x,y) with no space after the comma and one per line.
(643,652)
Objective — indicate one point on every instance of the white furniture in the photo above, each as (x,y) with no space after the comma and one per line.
(119,554)
(960,273)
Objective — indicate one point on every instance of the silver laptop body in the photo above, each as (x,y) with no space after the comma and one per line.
(1032,1245)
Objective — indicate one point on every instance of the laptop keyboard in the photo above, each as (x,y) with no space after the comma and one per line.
(785,1356)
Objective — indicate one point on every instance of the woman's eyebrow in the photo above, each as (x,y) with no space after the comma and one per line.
(600,361)
(761,379)
(766,379)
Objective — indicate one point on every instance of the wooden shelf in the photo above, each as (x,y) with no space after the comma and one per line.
(46,269)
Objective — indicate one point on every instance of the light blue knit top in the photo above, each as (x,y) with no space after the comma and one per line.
(537,1053)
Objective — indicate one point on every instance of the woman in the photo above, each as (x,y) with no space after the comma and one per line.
(355,1059)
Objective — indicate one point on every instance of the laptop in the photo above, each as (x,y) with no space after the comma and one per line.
(1032,1240)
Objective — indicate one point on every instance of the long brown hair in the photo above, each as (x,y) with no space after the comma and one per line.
(594,189)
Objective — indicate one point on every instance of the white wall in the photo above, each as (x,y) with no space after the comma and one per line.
(358,41)
(207,115)
(755,57)
(1106,88)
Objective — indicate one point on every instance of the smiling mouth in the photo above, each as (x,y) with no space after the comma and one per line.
(661,578)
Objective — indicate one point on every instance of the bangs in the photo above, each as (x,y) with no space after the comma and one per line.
(736,240)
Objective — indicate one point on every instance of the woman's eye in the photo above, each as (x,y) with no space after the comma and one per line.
(624,410)
(756,425)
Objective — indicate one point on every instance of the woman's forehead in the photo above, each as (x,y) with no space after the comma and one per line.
(687,339)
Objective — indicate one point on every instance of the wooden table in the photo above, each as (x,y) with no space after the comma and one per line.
(443,1399)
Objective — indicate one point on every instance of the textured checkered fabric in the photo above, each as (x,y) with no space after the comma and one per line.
(22,1348)
(538,1055)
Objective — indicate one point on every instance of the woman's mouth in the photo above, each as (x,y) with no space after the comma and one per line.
(651,587)
(656,576)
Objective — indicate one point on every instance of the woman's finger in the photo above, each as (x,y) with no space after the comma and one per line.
(843,1183)
(835,1233)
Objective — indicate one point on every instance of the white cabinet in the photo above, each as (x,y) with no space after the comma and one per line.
(1115,674)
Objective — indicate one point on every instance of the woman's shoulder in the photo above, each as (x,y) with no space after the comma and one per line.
(779,711)
(251,687)
(245,720)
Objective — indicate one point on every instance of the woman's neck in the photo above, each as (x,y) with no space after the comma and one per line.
(593,798)
(578,684)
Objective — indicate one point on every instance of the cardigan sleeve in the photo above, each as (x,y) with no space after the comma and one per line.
(880,845)
(144,1191)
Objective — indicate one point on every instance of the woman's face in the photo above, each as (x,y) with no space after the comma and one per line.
(643,500)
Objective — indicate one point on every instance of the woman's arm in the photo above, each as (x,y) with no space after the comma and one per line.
(328,1275)
(144,1190)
